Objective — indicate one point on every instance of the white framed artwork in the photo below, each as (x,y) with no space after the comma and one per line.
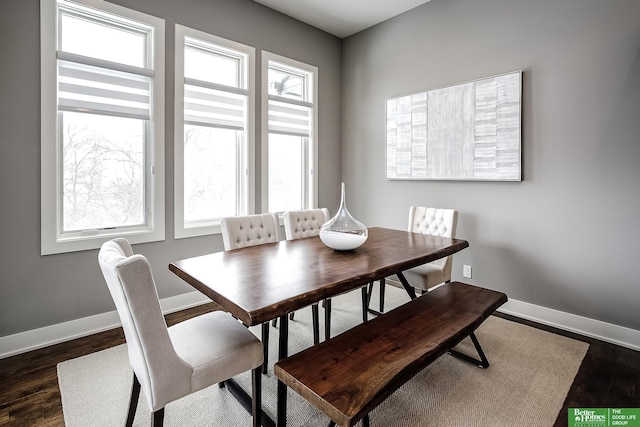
(467,132)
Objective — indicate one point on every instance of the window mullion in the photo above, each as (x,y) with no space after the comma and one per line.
(102,63)
(305,172)
(215,86)
(286,100)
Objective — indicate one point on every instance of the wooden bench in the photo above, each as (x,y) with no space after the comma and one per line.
(349,375)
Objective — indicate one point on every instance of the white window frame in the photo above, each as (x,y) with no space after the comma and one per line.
(246,188)
(310,178)
(52,239)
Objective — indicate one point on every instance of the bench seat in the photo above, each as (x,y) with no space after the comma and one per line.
(349,375)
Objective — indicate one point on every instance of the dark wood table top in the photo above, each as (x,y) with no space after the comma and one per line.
(259,283)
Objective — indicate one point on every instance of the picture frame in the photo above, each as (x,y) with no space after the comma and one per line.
(470,132)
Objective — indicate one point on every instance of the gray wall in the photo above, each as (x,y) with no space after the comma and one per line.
(566,237)
(37,291)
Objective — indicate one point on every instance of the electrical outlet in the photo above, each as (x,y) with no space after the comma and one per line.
(466,271)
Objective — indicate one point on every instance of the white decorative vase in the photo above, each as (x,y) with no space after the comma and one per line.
(343,232)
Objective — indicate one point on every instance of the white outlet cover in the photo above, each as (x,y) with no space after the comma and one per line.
(466,271)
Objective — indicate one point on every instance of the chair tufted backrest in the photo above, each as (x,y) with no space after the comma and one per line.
(163,376)
(304,223)
(250,230)
(435,222)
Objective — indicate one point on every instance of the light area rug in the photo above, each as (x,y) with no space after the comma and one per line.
(530,375)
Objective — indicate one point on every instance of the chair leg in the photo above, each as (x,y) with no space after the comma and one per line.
(133,402)
(327,319)
(316,323)
(256,401)
(157,418)
(365,304)
(265,346)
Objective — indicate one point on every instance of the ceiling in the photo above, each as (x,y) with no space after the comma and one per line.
(342,18)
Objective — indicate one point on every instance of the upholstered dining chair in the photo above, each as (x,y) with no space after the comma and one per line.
(304,223)
(435,222)
(170,363)
(250,230)
(299,224)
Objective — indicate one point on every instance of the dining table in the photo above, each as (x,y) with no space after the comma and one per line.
(257,284)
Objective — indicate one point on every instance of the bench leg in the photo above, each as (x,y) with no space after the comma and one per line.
(482,363)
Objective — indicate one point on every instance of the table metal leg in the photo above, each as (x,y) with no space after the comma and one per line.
(407,287)
(365,304)
(316,323)
(256,401)
(327,319)
(265,346)
(245,400)
(282,388)
(370,294)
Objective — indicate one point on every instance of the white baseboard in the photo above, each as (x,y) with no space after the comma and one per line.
(608,332)
(54,334)
(42,337)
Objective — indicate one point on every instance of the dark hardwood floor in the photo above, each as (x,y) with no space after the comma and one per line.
(29,393)
(609,376)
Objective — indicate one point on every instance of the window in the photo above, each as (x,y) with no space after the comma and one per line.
(213,131)
(289,161)
(102,115)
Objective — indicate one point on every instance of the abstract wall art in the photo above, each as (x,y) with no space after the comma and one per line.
(467,132)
